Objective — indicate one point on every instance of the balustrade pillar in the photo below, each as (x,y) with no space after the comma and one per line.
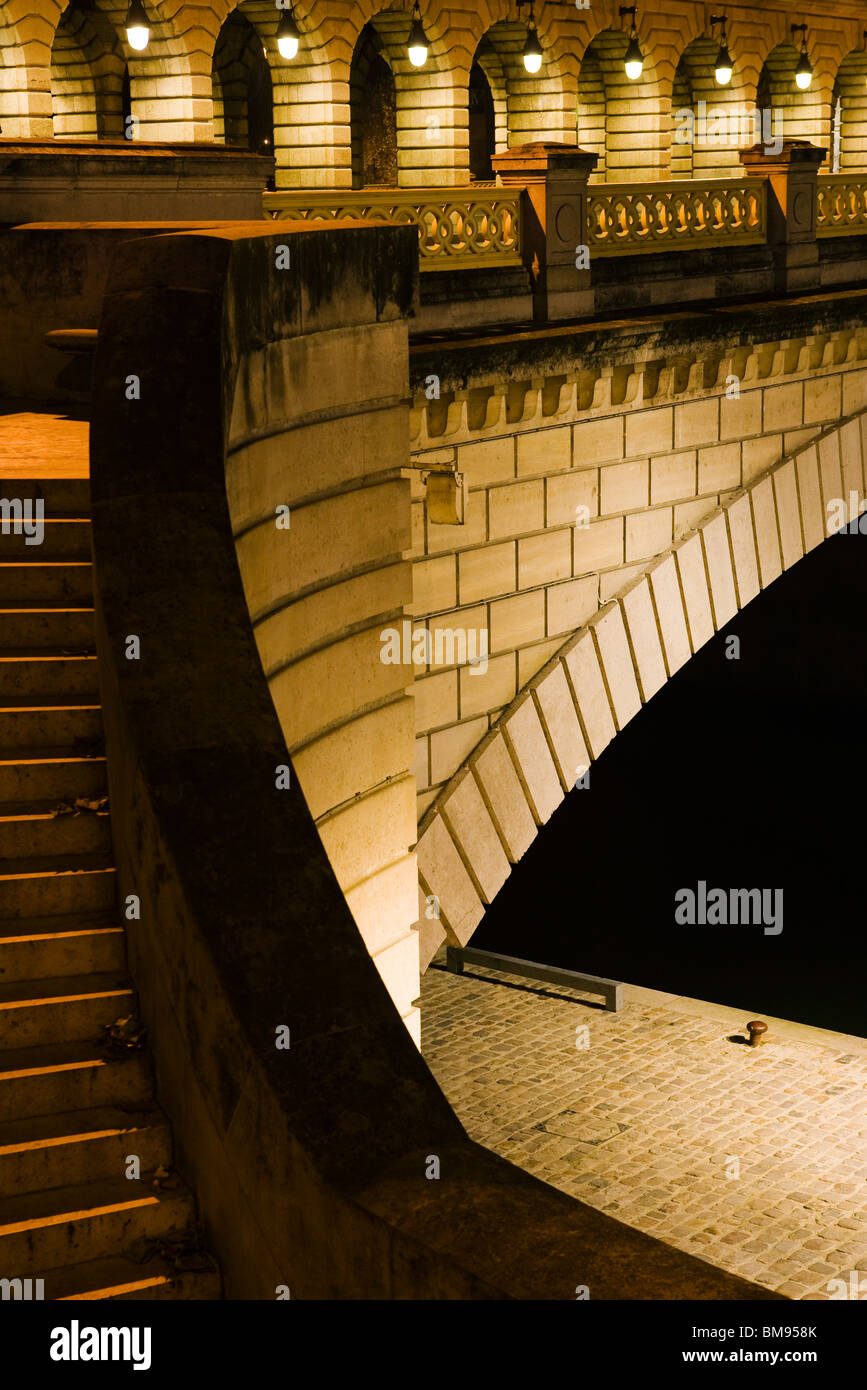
(554,239)
(792,176)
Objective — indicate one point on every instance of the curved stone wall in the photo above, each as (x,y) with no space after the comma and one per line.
(308,1160)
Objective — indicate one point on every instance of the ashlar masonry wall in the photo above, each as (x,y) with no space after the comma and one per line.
(647,448)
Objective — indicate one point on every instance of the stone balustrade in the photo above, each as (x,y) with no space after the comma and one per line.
(841,206)
(574,237)
(478,225)
(625,218)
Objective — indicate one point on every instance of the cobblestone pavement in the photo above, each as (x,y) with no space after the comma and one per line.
(752,1158)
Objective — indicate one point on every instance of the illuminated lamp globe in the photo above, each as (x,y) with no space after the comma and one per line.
(723,69)
(288,35)
(633,63)
(532,52)
(417,46)
(138,30)
(803,72)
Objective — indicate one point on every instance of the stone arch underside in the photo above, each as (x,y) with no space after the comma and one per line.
(490,812)
(87,77)
(241,84)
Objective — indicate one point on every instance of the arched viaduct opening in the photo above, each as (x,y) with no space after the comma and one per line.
(596,890)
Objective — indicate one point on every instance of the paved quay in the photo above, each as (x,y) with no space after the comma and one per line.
(752,1158)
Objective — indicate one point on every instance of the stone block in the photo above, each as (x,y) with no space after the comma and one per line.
(516,621)
(765,531)
(372,832)
(384,905)
(673,476)
(624,486)
(567,492)
(545,451)
(544,559)
(788,513)
(671,616)
(530,752)
(599,546)
(487,572)
(504,796)
(757,455)
(649,431)
(851,461)
(743,546)
(693,583)
(443,873)
(487,461)
(687,516)
(515,510)
(644,638)
(436,700)
(810,496)
(434,585)
(830,473)
(572,604)
(398,966)
(588,688)
(784,406)
(598,441)
(718,560)
(532,659)
(696,422)
(823,399)
(482,691)
(648,533)
(719,467)
(362,753)
(449,748)
(616,659)
(475,836)
(740,416)
(561,724)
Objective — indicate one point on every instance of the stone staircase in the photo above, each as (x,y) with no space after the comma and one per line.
(76,1092)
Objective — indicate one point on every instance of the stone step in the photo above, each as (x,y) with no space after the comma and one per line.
(29,670)
(43,721)
(42,624)
(69,1225)
(132,1281)
(38,774)
(71,1076)
(45,948)
(63,497)
(41,887)
(42,828)
(64,538)
(35,580)
(81,1146)
(70,1008)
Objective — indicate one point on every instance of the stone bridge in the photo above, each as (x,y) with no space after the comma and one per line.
(402,523)
(624,490)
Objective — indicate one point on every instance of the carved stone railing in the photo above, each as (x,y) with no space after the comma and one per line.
(841,205)
(623,219)
(475,226)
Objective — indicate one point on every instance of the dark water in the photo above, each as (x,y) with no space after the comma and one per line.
(744,773)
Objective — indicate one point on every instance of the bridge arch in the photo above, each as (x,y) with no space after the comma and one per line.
(242,86)
(489,813)
(89,81)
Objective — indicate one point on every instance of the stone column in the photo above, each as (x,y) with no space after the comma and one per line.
(792,175)
(553,223)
